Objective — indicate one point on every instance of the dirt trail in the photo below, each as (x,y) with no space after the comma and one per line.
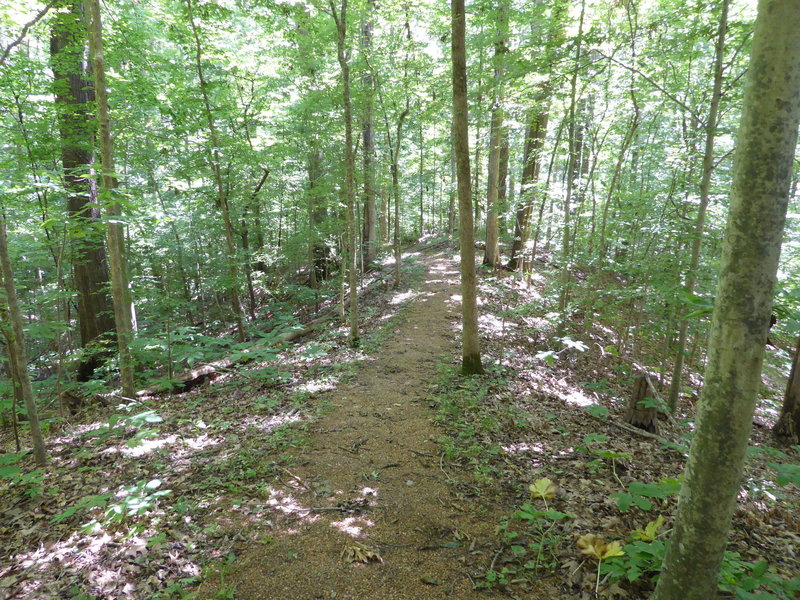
(372,481)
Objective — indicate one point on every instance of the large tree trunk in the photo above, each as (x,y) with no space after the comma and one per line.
(116,240)
(74,92)
(471,349)
(787,429)
(762,172)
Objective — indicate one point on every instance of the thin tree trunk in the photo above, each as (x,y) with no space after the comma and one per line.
(349,161)
(563,297)
(370,231)
(491,255)
(116,239)
(471,350)
(762,173)
(705,186)
(216,165)
(20,355)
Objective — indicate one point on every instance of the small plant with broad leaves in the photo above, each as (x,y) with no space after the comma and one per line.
(594,546)
(642,495)
(32,482)
(532,538)
(642,556)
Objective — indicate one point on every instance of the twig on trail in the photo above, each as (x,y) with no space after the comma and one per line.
(421,453)
(494,560)
(441,466)
(293,476)
(356,447)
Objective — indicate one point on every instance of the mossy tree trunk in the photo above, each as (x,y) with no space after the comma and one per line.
(759,195)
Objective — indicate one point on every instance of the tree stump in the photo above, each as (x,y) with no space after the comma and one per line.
(637,414)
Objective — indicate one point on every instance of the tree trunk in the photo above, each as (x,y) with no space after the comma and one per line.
(762,172)
(491,255)
(116,235)
(636,413)
(20,355)
(705,186)
(535,133)
(471,351)
(370,232)
(222,198)
(787,429)
(566,261)
(74,92)
(349,163)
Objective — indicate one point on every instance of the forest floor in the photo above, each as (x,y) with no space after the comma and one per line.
(325,472)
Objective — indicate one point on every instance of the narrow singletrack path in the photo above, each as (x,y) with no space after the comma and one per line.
(367,511)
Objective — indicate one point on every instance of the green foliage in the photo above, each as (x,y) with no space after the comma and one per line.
(118,425)
(640,494)
(137,500)
(597,410)
(532,537)
(32,482)
(788,473)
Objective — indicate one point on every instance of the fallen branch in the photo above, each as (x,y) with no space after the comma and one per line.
(201,375)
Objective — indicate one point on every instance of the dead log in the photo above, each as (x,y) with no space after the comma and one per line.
(637,414)
(205,373)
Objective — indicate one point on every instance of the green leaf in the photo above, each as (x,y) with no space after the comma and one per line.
(787,473)
(597,410)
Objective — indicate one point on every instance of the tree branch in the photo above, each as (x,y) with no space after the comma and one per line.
(656,85)
(25,30)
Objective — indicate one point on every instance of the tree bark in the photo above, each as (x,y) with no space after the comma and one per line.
(116,236)
(762,171)
(787,429)
(705,187)
(20,355)
(74,92)
(491,254)
(471,351)
(349,162)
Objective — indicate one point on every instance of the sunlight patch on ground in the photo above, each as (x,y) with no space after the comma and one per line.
(493,324)
(523,447)
(85,554)
(283,502)
(315,386)
(144,446)
(353,526)
(270,423)
(578,398)
(403,297)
